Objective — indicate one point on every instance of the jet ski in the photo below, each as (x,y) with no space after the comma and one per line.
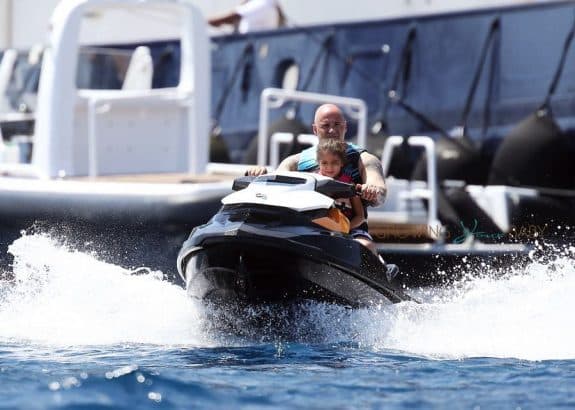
(282,238)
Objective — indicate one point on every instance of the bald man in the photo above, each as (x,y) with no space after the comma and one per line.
(364,168)
(329,122)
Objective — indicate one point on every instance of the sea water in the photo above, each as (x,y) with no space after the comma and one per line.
(79,333)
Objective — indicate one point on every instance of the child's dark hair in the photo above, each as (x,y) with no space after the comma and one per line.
(332,146)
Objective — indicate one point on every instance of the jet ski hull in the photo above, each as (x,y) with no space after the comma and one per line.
(240,258)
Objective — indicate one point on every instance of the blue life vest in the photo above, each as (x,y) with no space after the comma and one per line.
(308,161)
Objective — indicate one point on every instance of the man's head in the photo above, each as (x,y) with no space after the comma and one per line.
(329,122)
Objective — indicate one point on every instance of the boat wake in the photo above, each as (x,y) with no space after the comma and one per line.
(58,296)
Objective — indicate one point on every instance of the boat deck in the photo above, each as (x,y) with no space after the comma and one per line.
(159,178)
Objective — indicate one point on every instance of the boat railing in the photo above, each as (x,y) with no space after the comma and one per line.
(16,153)
(82,131)
(414,191)
(274,98)
(279,138)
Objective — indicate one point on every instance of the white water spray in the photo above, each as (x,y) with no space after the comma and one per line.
(64,297)
(59,296)
(524,315)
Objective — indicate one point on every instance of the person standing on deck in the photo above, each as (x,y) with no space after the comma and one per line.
(252,15)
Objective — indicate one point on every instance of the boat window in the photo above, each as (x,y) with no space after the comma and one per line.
(102,68)
(117,58)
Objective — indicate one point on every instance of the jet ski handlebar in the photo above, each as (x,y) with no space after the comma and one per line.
(338,189)
(242,182)
(323,185)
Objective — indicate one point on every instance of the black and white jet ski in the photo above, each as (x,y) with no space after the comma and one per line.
(281,238)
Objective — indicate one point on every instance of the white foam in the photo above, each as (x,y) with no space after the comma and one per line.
(64,297)
(527,316)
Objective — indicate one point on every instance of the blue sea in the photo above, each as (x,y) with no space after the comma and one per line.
(78,333)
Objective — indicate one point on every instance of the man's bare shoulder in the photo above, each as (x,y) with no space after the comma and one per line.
(369,157)
(289,163)
(371,162)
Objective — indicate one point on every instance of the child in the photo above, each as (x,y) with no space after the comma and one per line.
(331,159)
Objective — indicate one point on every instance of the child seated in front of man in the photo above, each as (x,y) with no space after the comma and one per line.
(331,160)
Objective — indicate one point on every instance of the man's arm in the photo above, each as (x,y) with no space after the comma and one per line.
(288,164)
(230,18)
(374,189)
